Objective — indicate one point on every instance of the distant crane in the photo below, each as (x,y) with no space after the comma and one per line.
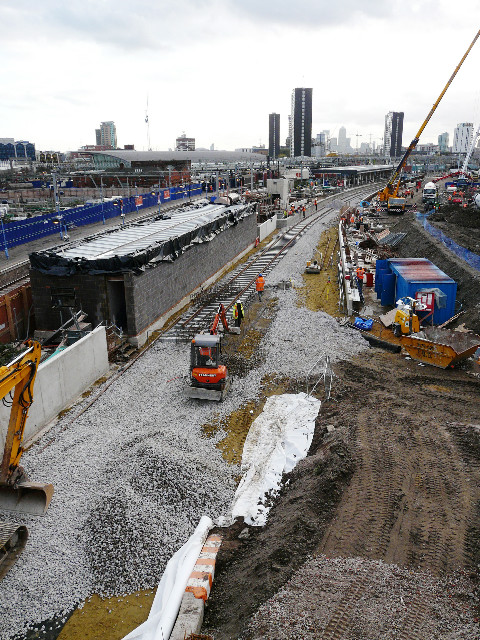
(389,192)
(357,135)
(147,122)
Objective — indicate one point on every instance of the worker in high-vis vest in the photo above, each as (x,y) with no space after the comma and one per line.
(238,313)
(360,274)
(260,285)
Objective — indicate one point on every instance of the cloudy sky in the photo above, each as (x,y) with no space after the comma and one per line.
(215,69)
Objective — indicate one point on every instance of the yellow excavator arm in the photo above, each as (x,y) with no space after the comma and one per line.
(19,377)
(391,188)
(16,380)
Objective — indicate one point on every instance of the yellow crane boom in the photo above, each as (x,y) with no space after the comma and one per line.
(391,188)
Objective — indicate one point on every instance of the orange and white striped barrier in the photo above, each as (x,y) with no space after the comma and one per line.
(201,578)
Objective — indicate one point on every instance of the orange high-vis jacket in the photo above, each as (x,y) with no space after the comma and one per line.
(260,283)
(360,273)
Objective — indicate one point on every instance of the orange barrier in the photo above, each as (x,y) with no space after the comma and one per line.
(201,578)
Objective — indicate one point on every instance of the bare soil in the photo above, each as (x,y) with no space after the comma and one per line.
(394,483)
(460,224)
(398,480)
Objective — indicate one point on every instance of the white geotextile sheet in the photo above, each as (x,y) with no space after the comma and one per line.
(171,589)
(276,441)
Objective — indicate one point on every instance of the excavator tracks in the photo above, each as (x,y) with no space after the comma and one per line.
(13,538)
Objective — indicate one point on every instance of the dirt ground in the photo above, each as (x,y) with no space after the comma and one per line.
(393,481)
(397,480)
(462,225)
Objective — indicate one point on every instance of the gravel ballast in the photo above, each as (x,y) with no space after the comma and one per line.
(370,600)
(134,474)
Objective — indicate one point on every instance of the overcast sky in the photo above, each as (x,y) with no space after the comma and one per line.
(215,69)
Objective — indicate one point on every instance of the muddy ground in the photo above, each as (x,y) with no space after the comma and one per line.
(392,479)
(459,223)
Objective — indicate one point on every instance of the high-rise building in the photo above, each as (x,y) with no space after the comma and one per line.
(343,144)
(98,137)
(301,123)
(342,139)
(182,143)
(462,137)
(392,139)
(108,134)
(443,140)
(273,135)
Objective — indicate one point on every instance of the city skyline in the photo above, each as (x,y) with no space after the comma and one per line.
(114,62)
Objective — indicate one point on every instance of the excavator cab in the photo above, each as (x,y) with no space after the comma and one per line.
(208,378)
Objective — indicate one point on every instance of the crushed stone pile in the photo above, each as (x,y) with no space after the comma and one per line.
(368,600)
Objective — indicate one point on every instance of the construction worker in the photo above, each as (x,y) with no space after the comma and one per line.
(360,274)
(303,211)
(316,205)
(260,285)
(238,313)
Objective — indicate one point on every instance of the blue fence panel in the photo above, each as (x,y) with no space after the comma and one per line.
(23,231)
(473,259)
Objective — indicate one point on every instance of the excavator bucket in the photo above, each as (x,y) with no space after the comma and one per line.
(13,538)
(26,497)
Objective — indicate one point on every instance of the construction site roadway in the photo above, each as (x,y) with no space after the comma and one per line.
(375,534)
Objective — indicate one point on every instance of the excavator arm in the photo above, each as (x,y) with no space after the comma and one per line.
(18,377)
(391,188)
(16,492)
(221,315)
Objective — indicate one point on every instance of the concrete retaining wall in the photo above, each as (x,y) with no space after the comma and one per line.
(266,228)
(61,380)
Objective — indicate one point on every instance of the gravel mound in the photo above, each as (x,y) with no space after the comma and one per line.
(372,600)
(134,473)
(321,336)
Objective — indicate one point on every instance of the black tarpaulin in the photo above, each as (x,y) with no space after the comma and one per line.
(56,264)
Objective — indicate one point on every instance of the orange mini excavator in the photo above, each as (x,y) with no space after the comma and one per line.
(209,379)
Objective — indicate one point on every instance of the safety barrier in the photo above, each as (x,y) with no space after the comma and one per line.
(472,259)
(22,231)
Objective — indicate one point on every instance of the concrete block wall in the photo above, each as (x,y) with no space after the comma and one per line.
(61,380)
(149,295)
(156,291)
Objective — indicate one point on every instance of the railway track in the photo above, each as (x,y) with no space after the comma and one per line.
(239,285)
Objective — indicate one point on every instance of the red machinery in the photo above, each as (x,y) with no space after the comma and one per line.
(209,378)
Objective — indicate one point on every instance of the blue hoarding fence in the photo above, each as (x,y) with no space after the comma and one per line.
(473,259)
(22,231)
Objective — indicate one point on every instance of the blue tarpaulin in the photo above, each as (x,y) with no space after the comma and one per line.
(363,323)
